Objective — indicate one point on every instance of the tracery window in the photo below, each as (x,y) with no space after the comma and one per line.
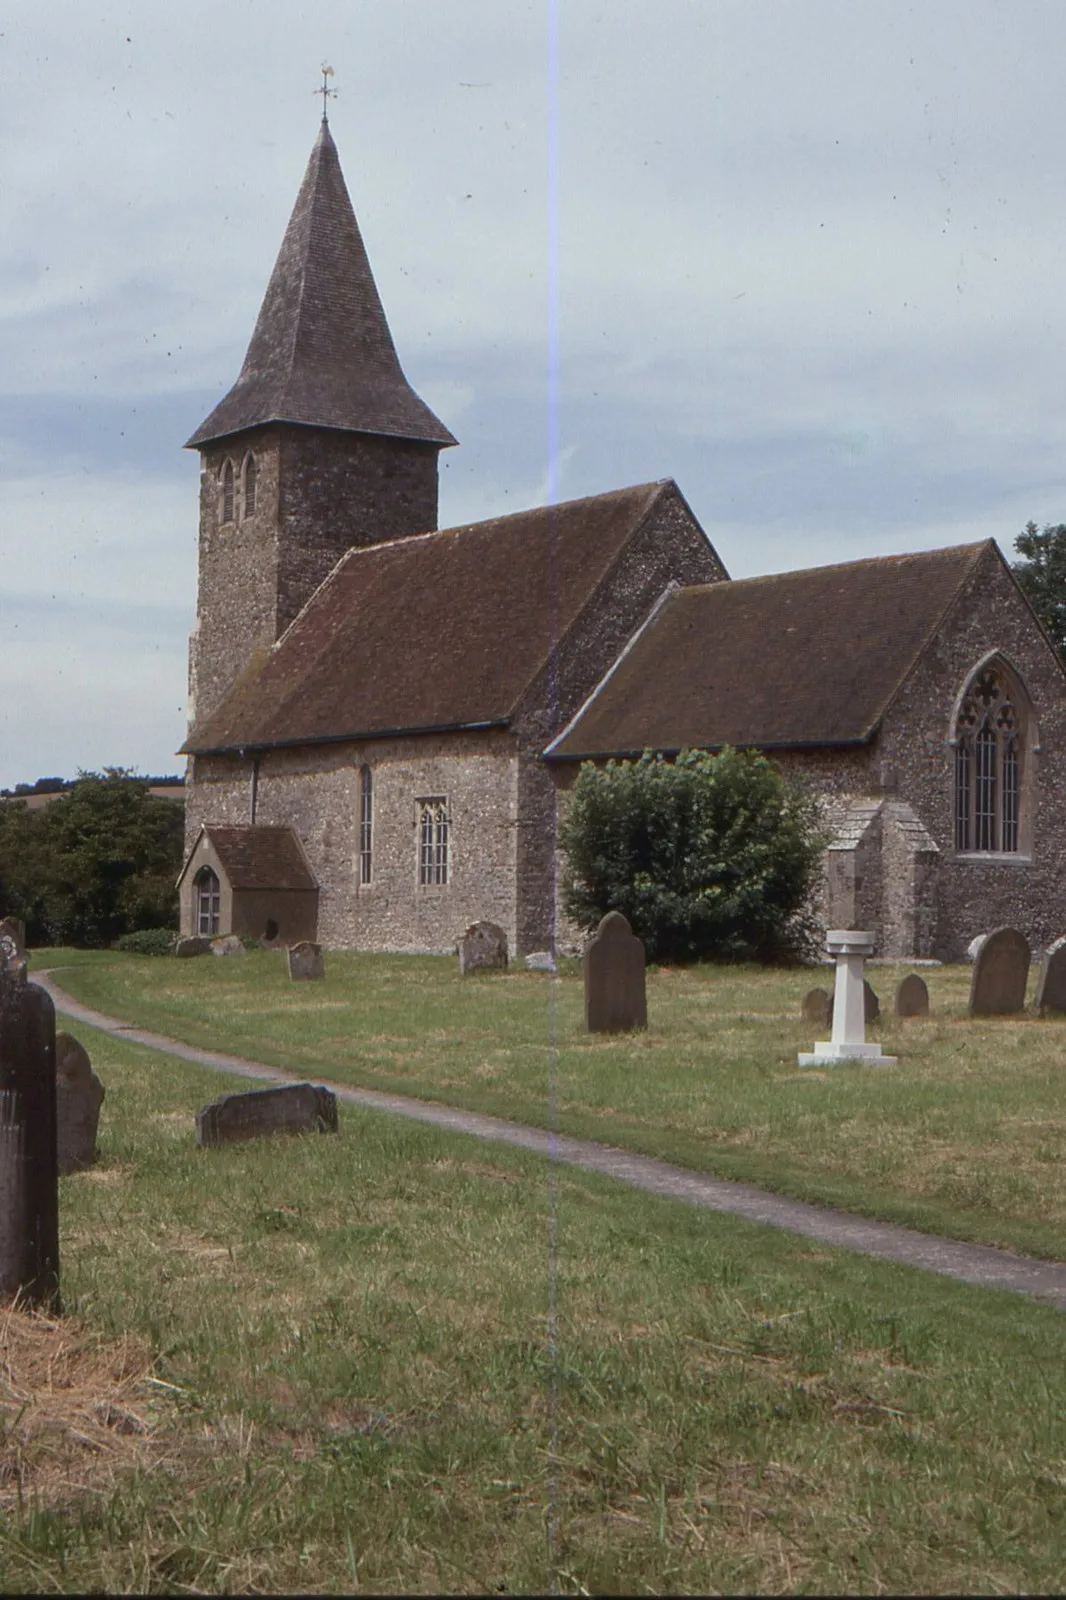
(366,825)
(988,765)
(251,478)
(433,841)
(227,492)
(208,901)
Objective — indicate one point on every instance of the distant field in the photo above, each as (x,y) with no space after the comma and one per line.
(967,1136)
(405,1361)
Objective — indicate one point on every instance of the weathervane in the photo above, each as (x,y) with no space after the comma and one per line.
(326,91)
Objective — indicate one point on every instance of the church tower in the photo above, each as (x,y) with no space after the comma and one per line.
(320,445)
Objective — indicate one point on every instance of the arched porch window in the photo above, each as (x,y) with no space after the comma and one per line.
(990,746)
(208,901)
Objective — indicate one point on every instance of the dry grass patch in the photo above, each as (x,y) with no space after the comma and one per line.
(77,1411)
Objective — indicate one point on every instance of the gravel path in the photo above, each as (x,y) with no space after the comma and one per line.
(973,1263)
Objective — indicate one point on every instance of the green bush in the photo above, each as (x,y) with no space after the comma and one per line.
(146,942)
(709,857)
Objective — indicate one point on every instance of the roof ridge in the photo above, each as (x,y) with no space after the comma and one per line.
(861,561)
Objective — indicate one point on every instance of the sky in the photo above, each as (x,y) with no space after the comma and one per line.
(802,256)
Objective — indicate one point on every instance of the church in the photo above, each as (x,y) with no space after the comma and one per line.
(385,717)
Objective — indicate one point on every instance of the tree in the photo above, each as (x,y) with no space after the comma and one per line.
(99,861)
(709,857)
(1042,574)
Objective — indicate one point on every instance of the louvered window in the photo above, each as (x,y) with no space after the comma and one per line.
(227,492)
(251,475)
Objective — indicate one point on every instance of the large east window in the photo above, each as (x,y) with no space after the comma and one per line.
(989,757)
(433,841)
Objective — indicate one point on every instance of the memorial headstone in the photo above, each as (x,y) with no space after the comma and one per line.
(483,948)
(305,960)
(1000,974)
(79,1096)
(227,944)
(541,961)
(912,997)
(1051,990)
(295,1108)
(816,1007)
(615,994)
(974,946)
(29,1182)
(194,945)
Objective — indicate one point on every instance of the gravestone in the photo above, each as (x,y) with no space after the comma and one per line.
(194,945)
(483,948)
(79,1096)
(13,942)
(1051,990)
(871,1004)
(1000,974)
(296,1108)
(912,997)
(974,946)
(29,1182)
(227,944)
(541,961)
(615,995)
(305,960)
(816,1007)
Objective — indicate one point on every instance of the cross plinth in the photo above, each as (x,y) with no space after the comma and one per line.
(851,948)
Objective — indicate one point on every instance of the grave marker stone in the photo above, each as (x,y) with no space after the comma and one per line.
(228,944)
(912,997)
(816,1007)
(615,994)
(305,960)
(193,945)
(1051,990)
(1000,974)
(483,948)
(13,942)
(29,1183)
(295,1108)
(79,1096)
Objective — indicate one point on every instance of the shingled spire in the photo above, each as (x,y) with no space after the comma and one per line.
(322,354)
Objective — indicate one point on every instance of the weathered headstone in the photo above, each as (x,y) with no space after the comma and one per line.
(13,941)
(227,944)
(193,945)
(1051,989)
(541,961)
(29,1183)
(483,948)
(912,997)
(816,1007)
(615,994)
(305,960)
(1000,974)
(295,1108)
(79,1096)
(974,946)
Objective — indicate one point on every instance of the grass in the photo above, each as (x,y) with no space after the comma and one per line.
(406,1361)
(966,1136)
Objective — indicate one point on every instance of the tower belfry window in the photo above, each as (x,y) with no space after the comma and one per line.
(227,492)
(251,475)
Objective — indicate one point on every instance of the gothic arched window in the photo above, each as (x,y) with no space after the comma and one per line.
(208,901)
(227,492)
(251,474)
(989,764)
(433,841)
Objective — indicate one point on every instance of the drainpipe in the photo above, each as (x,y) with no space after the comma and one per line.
(253,789)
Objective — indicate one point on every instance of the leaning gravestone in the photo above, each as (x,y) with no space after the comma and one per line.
(615,995)
(912,997)
(1000,973)
(79,1096)
(483,948)
(228,944)
(29,1182)
(1051,990)
(817,1007)
(193,945)
(305,960)
(296,1108)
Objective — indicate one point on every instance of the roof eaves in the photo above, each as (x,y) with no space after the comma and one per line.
(735,744)
(359,736)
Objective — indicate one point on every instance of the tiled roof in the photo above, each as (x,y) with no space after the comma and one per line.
(802,658)
(322,353)
(261,857)
(443,630)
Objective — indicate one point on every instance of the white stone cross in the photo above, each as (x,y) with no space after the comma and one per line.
(848,1043)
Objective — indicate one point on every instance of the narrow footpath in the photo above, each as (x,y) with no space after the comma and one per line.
(973,1263)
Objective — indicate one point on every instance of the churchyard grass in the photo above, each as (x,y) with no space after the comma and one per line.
(362,1372)
(966,1136)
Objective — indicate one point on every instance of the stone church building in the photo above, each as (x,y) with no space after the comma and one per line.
(386,717)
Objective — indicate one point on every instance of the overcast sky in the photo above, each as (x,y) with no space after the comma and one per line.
(808,262)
